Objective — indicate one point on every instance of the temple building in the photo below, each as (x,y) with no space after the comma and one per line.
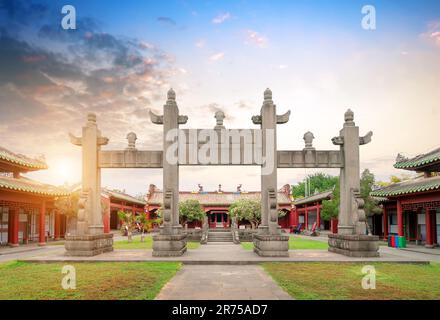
(115,201)
(307,212)
(216,204)
(27,212)
(412,208)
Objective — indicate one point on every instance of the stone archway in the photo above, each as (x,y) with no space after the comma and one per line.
(226,147)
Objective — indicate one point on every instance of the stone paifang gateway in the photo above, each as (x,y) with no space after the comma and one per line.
(269,241)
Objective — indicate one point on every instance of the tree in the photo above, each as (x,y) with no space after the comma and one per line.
(190,210)
(246,209)
(128,223)
(371,206)
(68,205)
(330,208)
(318,182)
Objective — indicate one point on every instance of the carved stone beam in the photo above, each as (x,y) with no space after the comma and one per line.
(77,141)
(182,119)
(155,118)
(284,118)
(338,141)
(365,139)
(102,141)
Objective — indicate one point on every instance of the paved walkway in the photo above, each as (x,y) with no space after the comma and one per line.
(221,253)
(220,282)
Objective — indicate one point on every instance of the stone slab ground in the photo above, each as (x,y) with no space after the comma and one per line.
(196,282)
(224,254)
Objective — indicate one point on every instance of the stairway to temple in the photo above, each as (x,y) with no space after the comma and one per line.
(219,235)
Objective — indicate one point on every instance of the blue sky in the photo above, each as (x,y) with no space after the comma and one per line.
(314,55)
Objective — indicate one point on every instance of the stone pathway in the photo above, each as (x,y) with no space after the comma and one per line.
(221,253)
(222,282)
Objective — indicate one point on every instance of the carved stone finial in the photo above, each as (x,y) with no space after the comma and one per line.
(131,137)
(91,117)
(171,95)
(220,188)
(219,116)
(349,117)
(308,139)
(267,94)
(401,158)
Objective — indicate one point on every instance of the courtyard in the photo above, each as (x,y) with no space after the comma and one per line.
(130,272)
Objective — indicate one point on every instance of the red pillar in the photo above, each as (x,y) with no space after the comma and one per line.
(334,225)
(385,223)
(42,223)
(400,219)
(106,217)
(306,218)
(318,216)
(429,241)
(57,226)
(292,217)
(13,226)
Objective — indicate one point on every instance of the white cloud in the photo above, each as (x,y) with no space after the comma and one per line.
(222,17)
(200,43)
(255,38)
(433,33)
(217,56)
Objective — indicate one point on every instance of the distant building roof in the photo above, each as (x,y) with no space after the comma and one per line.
(429,162)
(123,196)
(10,161)
(420,184)
(217,198)
(326,195)
(26,185)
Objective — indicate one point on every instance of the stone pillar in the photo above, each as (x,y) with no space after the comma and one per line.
(351,239)
(13,226)
(269,241)
(42,225)
(429,241)
(400,230)
(172,240)
(90,238)
(385,222)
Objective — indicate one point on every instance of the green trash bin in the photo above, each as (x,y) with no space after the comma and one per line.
(402,242)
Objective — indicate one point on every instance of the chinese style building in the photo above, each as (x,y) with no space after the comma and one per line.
(412,208)
(27,212)
(307,212)
(115,201)
(216,204)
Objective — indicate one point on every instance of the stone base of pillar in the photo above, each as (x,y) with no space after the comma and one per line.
(361,246)
(88,245)
(173,245)
(13,245)
(271,245)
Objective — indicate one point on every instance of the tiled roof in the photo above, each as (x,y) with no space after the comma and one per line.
(421,160)
(21,160)
(420,184)
(216,198)
(316,197)
(26,185)
(123,196)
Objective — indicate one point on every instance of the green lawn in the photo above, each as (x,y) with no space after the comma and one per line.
(147,244)
(102,280)
(296,243)
(343,280)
